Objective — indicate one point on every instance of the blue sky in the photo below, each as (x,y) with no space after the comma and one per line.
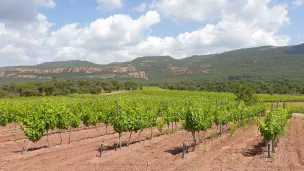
(104,31)
(296,27)
(83,12)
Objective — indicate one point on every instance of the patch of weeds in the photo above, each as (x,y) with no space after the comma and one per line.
(247,123)
(286,130)
(213,137)
(244,124)
(160,126)
(272,157)
(207,147)
(169,132)
(233,127)
(15,137)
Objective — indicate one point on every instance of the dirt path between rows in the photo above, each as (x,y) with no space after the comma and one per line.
(298,115)
(242,151)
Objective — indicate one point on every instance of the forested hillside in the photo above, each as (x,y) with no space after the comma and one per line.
(263,63)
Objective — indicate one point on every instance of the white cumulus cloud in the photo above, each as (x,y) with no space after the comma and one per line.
(197,10)
(103,40)
(109,5)
(24,45)
(121,37)
(251,23)
(297,3)
(22,11)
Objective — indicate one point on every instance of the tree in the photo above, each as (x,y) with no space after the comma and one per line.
(2,93)
(47,88)
(131,85)
(95,90)
(107,87)
(26,90)
(12,88)
(54,78)
(246,94)
(117,85)
(19,89)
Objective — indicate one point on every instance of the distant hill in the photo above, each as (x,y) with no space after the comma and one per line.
(66,64)
(266,62)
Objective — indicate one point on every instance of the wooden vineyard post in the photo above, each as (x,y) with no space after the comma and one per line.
(120,141)
(272,146)
(106,128)
(48,139)
(151,132)
(23,147)
(101,149)
(168,127)
(269,156)
(284,105)
(70,131)
(119,136)
(138,138)
(60,136)
(272,106)
(171,118)
(119,133)
(28,146)
(221,125)
(194,139)
(277,104)
(129,141)
(184,150)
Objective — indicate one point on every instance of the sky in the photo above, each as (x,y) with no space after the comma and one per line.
(106,31)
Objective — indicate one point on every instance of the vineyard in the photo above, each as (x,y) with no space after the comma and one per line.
(146,113)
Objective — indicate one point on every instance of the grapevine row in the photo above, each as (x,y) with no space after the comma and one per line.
(126,114)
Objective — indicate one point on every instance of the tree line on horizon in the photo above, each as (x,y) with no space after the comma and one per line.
(279,86)
(63,88)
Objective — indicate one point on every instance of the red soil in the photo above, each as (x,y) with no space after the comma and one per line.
(242,151)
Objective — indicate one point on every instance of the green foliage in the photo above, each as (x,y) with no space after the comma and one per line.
(47,88)
(260,63)
(2,93)
(129,112)
(233,127)
(32,124)
(274,124)
(130,85)
(62,88)
(193,120)
(116,85)
(27,90)
(245,94)
(121,121)
(160,125)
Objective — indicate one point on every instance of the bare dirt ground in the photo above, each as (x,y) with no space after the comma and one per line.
(298,115)
(242,151)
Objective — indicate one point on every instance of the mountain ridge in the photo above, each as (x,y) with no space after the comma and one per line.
(264,62)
